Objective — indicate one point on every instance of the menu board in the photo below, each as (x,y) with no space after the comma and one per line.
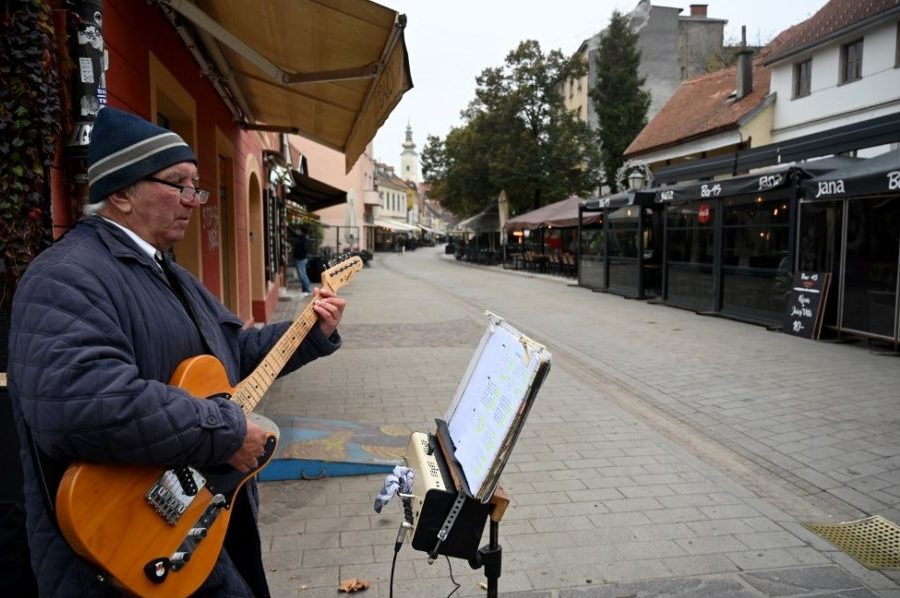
(494,397)
(806,304)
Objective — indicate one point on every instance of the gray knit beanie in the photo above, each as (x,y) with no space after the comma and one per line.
(125,148)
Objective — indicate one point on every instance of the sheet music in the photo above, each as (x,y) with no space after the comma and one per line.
(495,394)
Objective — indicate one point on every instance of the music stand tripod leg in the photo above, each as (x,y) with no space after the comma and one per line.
(490,557)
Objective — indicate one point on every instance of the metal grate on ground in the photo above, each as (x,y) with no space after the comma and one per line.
(873,541)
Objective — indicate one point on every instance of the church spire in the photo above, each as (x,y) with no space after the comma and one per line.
(409,144)
(409,159)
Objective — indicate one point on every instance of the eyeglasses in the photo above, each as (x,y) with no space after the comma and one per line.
(186,192)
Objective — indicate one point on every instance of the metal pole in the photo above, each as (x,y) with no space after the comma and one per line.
(493,576)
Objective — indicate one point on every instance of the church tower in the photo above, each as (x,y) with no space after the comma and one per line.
(409,159)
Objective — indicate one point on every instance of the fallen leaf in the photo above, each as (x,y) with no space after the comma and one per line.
(353,585)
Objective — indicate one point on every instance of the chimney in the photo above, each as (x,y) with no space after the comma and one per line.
(698,10)
(744,68)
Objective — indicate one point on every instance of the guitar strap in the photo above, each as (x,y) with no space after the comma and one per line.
(49,475)
(165,262)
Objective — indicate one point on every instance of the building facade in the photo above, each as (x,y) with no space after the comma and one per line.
(747,199)
(673,47)
(207,72)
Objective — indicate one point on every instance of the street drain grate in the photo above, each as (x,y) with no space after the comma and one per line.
(873,541)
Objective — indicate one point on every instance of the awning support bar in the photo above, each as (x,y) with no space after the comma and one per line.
(210,26)
(362,72)
(393,40)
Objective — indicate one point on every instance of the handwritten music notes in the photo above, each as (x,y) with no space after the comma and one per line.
(491,403)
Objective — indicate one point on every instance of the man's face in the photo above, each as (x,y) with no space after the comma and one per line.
(159,214)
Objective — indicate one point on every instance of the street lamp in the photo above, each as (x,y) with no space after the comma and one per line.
(636,180)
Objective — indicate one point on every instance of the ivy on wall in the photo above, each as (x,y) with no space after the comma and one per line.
(29,128)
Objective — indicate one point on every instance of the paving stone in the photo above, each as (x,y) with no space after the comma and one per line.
(803,580)
(606,481)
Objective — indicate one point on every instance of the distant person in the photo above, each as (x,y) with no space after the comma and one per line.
(300,253)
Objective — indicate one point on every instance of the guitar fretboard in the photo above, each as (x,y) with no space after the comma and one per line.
(251,389)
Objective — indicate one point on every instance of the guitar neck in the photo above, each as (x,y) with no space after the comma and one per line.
(251,389)
(249,392)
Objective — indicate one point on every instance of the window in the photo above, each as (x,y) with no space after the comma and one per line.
(851,61)
(802,78)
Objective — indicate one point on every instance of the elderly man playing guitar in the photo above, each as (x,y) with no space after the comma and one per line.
(137,479)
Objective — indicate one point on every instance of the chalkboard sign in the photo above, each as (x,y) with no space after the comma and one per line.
(806,304)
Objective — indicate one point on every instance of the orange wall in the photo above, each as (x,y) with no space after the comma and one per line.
(132,29)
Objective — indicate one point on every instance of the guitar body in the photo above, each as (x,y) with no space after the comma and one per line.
(108,516)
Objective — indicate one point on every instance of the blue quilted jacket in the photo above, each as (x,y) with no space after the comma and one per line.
(96,331)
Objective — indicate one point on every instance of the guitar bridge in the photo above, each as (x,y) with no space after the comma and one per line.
(174,491)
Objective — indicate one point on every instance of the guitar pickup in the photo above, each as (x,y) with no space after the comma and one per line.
(174,491)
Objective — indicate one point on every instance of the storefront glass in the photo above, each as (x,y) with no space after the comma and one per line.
(756,268)
(819,249)
(691,237)
(623,249)
(872,246)
(591,270)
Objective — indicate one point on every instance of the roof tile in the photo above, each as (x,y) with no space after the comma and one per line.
(701,106)
(831,18)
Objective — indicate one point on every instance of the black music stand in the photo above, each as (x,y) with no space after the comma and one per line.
(483,424)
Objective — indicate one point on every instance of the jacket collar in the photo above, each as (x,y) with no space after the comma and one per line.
(118,242)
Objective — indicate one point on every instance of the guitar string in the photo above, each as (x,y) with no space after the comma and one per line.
(250,391)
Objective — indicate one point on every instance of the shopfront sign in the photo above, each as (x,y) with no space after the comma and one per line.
(806,304)
(893,180)
(710,190)
(870,176)
(827,188)
(772,181)
(703,213)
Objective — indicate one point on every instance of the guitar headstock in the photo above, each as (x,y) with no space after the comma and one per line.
(341,271)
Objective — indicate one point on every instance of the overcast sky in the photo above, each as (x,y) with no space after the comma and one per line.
(451,41)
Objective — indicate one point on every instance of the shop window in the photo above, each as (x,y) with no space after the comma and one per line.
(756,268)
(623,232)
(592,265)
(802,78)
(691,237)
(851,61)
(870,285)
(691,246)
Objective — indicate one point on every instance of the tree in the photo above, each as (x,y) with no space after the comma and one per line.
(518,136)
(619,99)
(30,109)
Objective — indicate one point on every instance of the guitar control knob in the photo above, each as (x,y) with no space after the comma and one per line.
(198,532)
(180,558)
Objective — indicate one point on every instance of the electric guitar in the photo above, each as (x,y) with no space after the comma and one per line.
(158,532)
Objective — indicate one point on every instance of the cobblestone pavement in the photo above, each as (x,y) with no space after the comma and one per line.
(667,454)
